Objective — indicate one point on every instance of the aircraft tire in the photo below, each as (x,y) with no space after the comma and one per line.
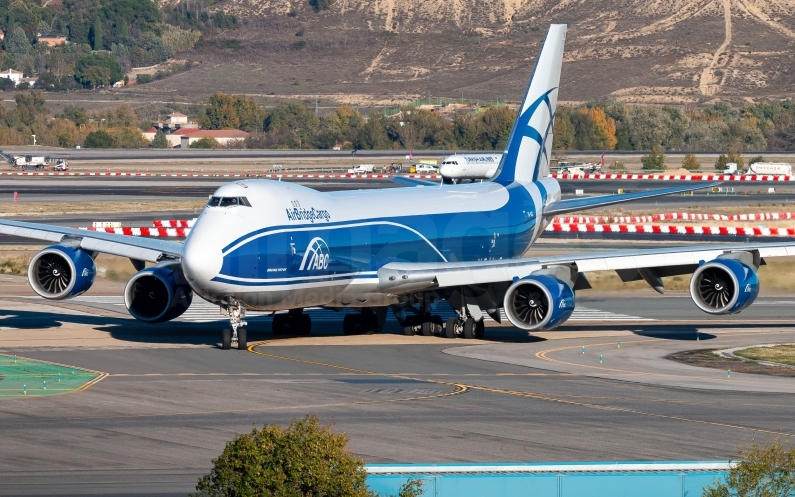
(427,328)
(449,329)
(347,324)
(226,339)
(469,328)
(305,327)
(242,342)
(278,324)
(480,329)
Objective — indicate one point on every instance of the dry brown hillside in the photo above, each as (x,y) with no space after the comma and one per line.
(389,51)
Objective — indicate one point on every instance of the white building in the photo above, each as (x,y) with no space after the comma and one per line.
(15,76)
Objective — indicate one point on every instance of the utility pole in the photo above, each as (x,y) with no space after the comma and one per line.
(315,103)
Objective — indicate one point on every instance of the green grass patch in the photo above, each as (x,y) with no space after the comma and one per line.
(784,354)
(28,378)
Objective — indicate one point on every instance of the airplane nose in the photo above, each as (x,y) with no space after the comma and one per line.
(201,256)
(445,171)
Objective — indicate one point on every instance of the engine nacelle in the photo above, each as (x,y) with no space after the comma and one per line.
(539,302)
(158,294)
(724,286)
(61,272)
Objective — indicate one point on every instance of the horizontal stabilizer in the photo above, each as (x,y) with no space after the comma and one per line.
(582,203)
(406,181)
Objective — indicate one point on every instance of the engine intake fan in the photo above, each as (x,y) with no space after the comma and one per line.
(61,272)
(724,286)
(539,302)
(158,294)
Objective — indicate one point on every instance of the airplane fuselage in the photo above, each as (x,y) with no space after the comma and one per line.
(294,247)
(469,166)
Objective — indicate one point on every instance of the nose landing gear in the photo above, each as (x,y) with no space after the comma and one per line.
(236,313)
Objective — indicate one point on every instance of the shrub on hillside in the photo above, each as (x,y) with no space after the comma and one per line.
(655,161)
(691,163)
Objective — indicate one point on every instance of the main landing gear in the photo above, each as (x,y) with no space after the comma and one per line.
(237,333)
(295,322)
(466,328)
(366,322)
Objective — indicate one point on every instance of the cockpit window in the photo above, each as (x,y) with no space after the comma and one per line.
(228,202)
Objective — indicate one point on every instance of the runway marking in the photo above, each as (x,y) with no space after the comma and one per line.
(543,356)
(531,395)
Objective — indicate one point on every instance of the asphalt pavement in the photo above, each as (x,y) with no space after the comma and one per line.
(172,398)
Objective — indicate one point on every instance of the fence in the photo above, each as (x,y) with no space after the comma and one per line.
(630,479)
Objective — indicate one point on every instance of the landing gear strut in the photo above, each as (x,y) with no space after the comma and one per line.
(236,313)
(295,322)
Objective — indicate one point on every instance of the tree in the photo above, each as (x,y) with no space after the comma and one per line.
(604,129)
(6,84)
(319,5)
(98,139)
(733,154)
(96,34)
(720,164)
(691,163)
(756,159)
(232,112)
(87,77)
(18,44)
(762,472)
(205,142)
(655,161)
(160,140)
(95,76)
(305,459)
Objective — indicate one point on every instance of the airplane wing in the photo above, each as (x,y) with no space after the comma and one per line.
(404,277)
(145,249)
(407,181)
(580,203)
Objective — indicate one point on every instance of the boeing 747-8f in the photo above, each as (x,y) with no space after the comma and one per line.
(275,246)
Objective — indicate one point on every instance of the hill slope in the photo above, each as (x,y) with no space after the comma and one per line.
(388,51)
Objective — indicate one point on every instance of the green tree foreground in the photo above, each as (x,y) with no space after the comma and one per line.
(763,471)
(306,459)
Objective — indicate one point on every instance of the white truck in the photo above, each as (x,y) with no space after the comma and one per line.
(362,169)
(770,168)
(30,161)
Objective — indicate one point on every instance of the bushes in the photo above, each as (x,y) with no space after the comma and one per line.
(305,459)
(762,471)
(691,163)
(655,161)
(98,139)
(98,69)
(207,143)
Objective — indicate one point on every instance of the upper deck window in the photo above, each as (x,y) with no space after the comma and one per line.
(228,202)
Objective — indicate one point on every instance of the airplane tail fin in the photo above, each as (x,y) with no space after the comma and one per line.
(527,153)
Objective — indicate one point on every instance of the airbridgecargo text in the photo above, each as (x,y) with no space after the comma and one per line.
(311,215)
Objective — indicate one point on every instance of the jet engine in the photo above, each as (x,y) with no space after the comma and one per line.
(724,286)
(61,272)
(158,294)
(539,302)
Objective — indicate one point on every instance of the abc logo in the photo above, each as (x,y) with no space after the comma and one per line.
(316,256)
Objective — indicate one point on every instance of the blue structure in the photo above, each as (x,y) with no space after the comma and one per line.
(619,479)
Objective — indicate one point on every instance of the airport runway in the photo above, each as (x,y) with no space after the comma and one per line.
(172,399)
(38,189)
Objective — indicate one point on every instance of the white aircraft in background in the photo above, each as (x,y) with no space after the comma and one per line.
(458,167)
(275,246)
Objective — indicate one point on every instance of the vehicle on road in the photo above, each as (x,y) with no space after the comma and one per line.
(424,169)
(770,168)
(362,169)
(279,247)
(61,165)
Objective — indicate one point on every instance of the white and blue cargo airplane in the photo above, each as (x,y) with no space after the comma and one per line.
(273,246)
